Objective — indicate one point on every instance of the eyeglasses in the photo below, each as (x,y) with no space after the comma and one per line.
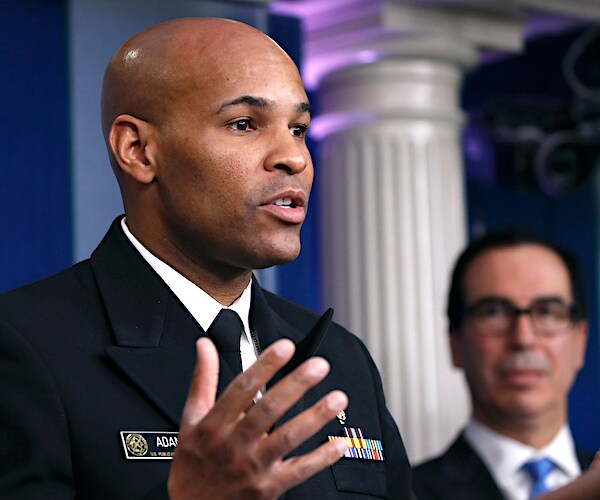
(497,316)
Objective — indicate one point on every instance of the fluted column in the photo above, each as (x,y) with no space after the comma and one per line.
(387,75)
(392,215)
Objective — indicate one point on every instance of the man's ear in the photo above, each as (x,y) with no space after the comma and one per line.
(454,339)
(131,142)
(581,336)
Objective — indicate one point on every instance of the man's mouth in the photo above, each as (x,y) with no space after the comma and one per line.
(284,202)
(288,207)
(523,378)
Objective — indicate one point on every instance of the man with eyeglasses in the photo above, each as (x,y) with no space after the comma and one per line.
(518,330)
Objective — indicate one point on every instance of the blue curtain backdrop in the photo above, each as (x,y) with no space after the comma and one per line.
(34,141)
(531,89)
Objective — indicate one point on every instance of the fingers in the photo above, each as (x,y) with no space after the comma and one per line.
(294,432)
(224,447)
(297,469)
(239,394)
(203,389)
(262,416)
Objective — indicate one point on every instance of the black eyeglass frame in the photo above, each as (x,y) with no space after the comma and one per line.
(515,312)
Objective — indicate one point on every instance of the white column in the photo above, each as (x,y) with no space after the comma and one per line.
(387,74)
(393,220)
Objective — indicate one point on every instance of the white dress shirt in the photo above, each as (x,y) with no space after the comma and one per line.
(201,306)
(504,458)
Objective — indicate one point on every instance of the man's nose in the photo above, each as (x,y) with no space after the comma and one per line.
(287,153)
(523,331)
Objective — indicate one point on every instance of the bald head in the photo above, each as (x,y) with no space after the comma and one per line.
(163,63)
(205,122)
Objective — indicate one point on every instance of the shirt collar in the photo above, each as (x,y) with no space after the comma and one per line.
(561,451)
(504,456)
(201,305)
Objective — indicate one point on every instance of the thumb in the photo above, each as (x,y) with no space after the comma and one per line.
(203,389)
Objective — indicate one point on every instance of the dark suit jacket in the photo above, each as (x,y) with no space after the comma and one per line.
(459,474)
(105,347)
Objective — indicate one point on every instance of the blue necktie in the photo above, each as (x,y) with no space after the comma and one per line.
(538,471)
(225,332)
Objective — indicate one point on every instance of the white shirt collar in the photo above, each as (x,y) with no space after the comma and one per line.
(201,306)
(504,457)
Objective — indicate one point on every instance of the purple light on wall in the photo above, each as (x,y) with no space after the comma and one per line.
(313,69)
(367,56)
(546,24)
(324,125)
(304,9)
(478,154)
(327,44)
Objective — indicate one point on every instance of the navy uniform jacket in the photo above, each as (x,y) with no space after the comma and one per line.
(459,474)
(105,347)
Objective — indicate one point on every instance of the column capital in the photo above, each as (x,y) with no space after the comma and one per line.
(579,9)
(339,33)
(256,2)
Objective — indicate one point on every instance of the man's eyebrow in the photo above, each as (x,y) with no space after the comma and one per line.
(260,102)
(257,102)
(304,107)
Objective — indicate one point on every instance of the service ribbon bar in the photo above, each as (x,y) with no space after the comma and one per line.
(359,447)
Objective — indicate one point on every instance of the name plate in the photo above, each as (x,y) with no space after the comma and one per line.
(149,445)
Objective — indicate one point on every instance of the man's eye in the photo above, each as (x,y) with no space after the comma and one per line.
(545,309)
(492,309)
(241,125)
(551,309)
(298,130)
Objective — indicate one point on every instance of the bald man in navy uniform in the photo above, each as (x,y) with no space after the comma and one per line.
(205,122)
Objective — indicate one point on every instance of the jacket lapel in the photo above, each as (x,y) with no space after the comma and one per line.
(270,326)
(584,457)
(267,325)
(308,346)
(466,473)
(154,334)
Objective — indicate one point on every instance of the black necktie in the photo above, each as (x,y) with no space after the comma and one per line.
(225,332)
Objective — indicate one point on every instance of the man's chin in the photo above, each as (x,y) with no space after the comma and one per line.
(525,407)
(277,256)
(275,261)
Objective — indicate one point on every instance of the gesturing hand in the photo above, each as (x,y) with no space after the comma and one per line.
(225,450)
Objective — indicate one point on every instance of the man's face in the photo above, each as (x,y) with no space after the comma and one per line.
(233,171)
(519,375)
